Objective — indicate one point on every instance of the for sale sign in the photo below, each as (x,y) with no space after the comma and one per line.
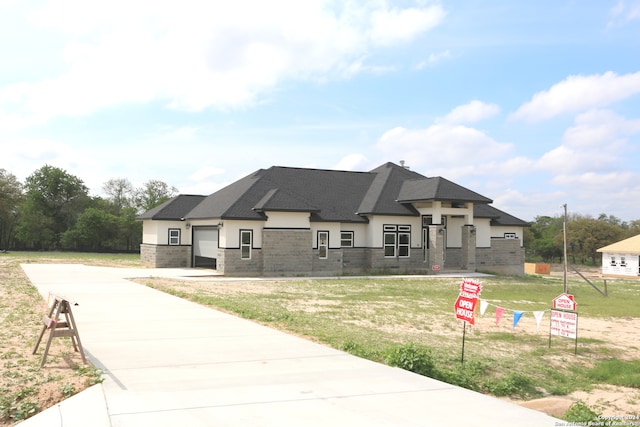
(565,302)
(465,309)
(564,318)
(564,324)
(465,305)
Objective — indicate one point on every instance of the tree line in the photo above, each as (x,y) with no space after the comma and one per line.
(544,239)
(52,210)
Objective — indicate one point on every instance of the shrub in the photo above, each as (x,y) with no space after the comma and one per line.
(412,358)
(579,412)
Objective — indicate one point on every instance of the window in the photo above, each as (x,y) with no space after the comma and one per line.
(403,244)
(174,236)
(346,239)
(390,244)
(397,240)
(246,239)
(323,244)
(509,235)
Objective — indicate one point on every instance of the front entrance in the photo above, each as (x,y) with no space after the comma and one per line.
(205,247)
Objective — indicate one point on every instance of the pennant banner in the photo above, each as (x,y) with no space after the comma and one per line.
(538,315)
(483,306)
(516,317)
(499,311)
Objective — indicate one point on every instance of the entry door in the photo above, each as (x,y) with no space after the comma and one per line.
(205,246)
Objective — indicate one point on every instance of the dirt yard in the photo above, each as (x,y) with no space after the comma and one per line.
(21,309)
(618,334)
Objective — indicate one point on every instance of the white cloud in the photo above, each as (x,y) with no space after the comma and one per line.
(623,13)
(433,59)
(472,112)
(450,150)
(351,162)
(579,93)
(597,142)
(205,172)
(198,54)
(398,25)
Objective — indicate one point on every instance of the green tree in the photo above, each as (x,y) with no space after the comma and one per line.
(152,194)
(53,200)
(120,193)
(95,230)
(10,200)
(585,235)
(542,238)
(130,229)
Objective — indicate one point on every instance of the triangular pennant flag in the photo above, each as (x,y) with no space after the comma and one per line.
(483,306)
(538,315)
(499,311)
(516,317)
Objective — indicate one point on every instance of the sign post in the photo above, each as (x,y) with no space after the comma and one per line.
(465,305)
(564,319)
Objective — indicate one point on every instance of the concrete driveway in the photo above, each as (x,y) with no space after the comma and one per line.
(171,362)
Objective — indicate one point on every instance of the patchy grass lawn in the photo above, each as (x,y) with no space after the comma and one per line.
(403,322)
(25,389)
(411,323)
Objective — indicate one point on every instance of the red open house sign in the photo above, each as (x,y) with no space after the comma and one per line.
(465,305)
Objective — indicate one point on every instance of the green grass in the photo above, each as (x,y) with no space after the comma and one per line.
(411,322)
(21,310)
(132,259)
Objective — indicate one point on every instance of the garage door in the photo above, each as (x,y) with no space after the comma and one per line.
(205,246)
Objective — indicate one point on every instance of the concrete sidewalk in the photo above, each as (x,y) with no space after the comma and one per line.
(171,362)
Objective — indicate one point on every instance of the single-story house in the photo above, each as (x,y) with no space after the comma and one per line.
(622,258)
(297,221)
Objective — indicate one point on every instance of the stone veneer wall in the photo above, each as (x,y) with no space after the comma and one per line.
(165,256)
(287,252)
(230,263)
(331,266)
(356,260)
(413,264)
(505,256)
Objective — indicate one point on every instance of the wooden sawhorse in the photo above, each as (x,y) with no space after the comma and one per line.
(57,328)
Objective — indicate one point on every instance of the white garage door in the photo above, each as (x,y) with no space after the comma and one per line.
(205,246)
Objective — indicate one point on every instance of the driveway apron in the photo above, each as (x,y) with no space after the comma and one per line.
(168,362)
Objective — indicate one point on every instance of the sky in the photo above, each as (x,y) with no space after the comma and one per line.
(532,104)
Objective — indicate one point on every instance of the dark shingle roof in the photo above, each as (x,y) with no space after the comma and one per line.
(438,188)
(173,209)
(381,196)
(497,216)
(328,195)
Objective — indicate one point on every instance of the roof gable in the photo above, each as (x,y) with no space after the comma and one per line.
(283,201)
(381,197)
(440,189)
(497,216)
(626,246)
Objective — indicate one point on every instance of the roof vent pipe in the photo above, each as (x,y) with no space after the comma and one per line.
(402,164)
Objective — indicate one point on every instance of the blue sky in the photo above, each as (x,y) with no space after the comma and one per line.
(532,104)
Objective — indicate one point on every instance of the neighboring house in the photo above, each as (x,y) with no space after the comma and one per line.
(622,258)
(294,221)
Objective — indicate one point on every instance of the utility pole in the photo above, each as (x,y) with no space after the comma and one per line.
(564,233)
